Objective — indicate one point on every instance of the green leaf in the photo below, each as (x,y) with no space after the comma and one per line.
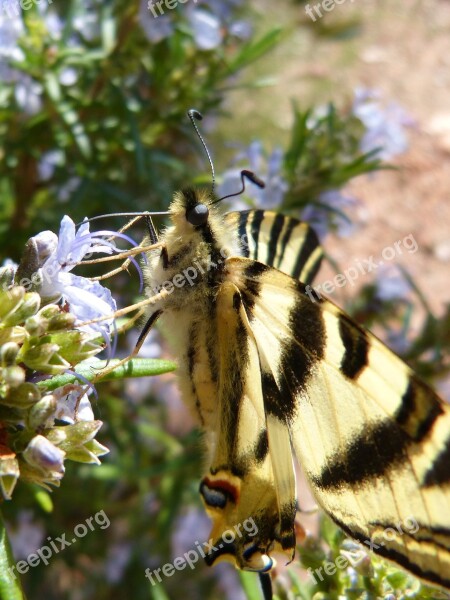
(254,50)
(89,369)
(250,584)
(10,588)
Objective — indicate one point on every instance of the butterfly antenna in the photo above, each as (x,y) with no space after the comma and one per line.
(124,214)
(195,115)
(245,175)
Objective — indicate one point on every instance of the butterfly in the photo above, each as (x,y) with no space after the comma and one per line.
(271,370)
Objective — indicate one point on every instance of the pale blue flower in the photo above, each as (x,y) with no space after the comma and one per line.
(242,30)
(190,527)
(156,28)
(41,453)
(28,94)
(48,162)
(391,284)
(54,24)
(385,127)
(206,29)
(209,26)
(269,169)
(117,560)
(27,536)
(11,28)
(70,407)
(66,190)
(68,76)
(443,387)
(86,23)
(86,299)
(328,212)
(10,9)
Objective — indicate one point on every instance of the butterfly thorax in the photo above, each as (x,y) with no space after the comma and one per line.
(192,268)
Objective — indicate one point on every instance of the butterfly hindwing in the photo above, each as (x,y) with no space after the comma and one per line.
(244,479)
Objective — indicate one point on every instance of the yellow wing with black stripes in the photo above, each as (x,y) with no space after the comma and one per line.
(373,440)
(267,368)
(278,241)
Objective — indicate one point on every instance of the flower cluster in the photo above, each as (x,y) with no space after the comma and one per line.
(385,126)
(320,198)
(207,22)
(43,310)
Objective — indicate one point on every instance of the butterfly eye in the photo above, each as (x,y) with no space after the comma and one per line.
(198,215)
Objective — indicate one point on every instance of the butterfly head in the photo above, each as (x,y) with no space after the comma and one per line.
(191,206)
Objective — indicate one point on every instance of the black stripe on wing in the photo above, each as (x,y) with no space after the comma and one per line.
(278,241)
(397,554)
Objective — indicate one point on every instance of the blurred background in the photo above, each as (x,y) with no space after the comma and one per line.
(342,108)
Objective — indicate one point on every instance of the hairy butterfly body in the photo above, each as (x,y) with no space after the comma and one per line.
(268,369)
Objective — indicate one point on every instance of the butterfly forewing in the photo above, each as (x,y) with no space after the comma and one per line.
(278,241)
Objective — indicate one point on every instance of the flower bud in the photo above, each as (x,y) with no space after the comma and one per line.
(43,357)
(29,306)
(23,396)
(7,276)
(41,412)
(8,354)
(78,434)
(62,320)
(36,325)
(10,300)
(9,472)
(13,376)
(41,453)
(12,334)
(46,243)
(49,311)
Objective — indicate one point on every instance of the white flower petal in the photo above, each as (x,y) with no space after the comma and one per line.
(46,242)
(71,408)
(66,238)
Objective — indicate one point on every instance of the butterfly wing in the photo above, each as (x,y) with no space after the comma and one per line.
(278,241)
(373,440)
(247,494)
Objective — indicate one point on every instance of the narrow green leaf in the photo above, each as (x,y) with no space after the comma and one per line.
(89,369)
(254,50)
(10,588)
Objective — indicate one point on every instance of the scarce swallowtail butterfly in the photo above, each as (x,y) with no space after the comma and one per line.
(270,370)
